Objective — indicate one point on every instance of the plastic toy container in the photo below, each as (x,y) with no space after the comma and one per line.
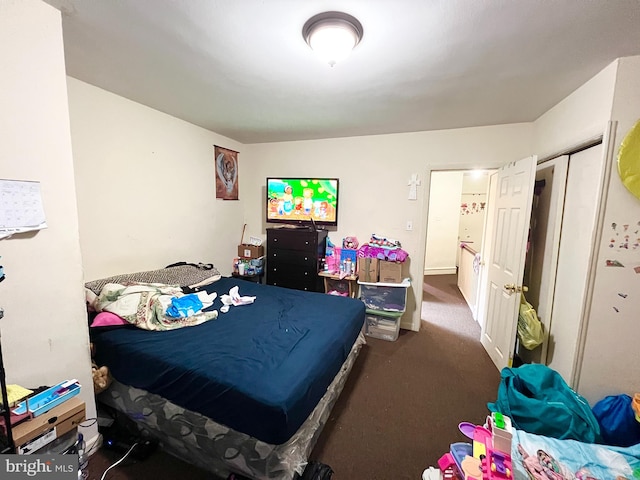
(49,398)
(382,325)
(384,297)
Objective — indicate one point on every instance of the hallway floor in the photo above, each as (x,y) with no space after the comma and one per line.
(444,305)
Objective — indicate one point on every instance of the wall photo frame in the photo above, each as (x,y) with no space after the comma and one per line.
(226,161)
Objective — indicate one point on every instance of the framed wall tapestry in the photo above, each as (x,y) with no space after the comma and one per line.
(226,173)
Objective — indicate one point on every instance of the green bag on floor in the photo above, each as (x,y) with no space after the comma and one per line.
(538,400)
(530,330)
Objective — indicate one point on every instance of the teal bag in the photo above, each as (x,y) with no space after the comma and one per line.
(539,401)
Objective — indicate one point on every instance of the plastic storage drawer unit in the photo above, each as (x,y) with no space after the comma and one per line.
(382,325)
(387,297)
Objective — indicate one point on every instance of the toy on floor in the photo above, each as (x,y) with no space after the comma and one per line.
(487,458)
(496,465)
(101,378)
(448,467)
(431,473)
(501,431)
(101,375)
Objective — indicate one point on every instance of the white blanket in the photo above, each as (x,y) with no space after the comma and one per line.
(144,305)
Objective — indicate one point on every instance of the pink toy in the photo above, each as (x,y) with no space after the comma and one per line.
(447,466)
(481,437)
(496,465)
(350,243)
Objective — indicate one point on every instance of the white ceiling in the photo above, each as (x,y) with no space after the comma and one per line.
(242,69)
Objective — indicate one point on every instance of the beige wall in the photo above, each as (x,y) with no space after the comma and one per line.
(44,333)
(442,248)
(146,196)
(610,363)
(474,190)
(374,172)
(580,116)
(146,187)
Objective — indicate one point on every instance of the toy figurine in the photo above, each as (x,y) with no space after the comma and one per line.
(350,243)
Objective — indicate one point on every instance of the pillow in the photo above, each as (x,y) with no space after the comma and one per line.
(181,274)
(108,319)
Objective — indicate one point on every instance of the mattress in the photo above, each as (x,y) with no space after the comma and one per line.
(259,369)
(219,449)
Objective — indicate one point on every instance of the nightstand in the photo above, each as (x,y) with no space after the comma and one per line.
(333,282)
(255,278)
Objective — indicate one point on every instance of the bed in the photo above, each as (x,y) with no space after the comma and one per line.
(247,392)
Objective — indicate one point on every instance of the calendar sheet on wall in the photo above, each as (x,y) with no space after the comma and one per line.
(21,207)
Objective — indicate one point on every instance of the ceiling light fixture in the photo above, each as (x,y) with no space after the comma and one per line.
(332,35)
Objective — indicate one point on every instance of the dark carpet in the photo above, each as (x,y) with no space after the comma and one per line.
(400,408)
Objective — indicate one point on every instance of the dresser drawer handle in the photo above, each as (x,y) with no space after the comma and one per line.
(306,243)
(306,258)
(275,254)
(306,273)
(275,239)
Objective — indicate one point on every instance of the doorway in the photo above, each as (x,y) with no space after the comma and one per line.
(560,252)
(455,225)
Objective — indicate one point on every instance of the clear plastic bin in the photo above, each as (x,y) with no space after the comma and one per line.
(382,325)
(387,297)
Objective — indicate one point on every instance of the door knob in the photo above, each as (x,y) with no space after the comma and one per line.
(512,288)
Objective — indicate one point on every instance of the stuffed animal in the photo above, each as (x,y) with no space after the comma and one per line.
(101,376)
(350,243)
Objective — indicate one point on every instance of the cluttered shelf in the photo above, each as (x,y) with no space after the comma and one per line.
(340,284)
(44,421)
(376,270)
(307,259)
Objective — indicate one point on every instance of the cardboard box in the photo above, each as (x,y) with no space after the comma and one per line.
(250,251)
(368,270)
(390,272)
(63,417)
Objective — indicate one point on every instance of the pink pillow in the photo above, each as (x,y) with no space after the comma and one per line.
(108,319)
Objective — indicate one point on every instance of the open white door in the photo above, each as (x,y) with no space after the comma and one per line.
(508,217)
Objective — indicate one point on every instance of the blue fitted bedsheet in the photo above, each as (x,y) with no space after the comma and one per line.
(259,369)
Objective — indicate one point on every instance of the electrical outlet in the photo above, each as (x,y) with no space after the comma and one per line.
(409,225)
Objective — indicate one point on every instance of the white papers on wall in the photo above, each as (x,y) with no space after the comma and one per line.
(21,207)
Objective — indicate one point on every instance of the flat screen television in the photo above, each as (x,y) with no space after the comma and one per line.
(302,200)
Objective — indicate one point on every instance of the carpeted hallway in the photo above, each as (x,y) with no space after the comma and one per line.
(400,408)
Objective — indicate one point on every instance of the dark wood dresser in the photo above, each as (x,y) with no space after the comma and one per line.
(293,258)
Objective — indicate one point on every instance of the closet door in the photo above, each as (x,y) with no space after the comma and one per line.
(542,257)
(578,230)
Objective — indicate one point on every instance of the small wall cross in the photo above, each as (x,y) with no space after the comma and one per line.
(413,186)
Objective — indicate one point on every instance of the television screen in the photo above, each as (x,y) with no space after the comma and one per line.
(299,200)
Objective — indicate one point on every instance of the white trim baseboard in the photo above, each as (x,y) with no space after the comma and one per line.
(441,271)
